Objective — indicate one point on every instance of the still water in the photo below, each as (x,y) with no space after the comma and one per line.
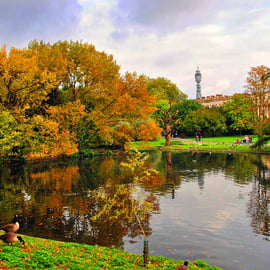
(206,206)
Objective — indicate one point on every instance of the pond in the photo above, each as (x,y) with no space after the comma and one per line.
(209,206)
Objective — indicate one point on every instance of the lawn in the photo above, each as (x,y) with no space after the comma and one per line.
(226,139)
(48,254)
(207,144)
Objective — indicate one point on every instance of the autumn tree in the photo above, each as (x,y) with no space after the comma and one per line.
(258,89)
(50,57)
(23,90)
(89,73)
(115,105)
(84,78)
(23,86)
(81,71)
(11,135)
(55,133)
(266,76)
(118,111)
(68,96)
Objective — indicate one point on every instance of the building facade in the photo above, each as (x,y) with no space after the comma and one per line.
(214,101)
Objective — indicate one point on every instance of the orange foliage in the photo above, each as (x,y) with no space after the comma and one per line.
(155,181)
(125,102)
(148,131)
(59,178)
(49,89)
(258,88)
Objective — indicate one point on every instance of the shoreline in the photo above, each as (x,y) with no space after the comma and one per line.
(177,144)
(41,253)
(187,145)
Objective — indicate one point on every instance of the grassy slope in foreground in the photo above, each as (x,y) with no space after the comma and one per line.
(48,254)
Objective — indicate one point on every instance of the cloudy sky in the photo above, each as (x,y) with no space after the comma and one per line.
(157,38)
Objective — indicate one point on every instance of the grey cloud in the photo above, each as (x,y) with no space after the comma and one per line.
(163,17)
(24,20)
(120,35)
(172,59)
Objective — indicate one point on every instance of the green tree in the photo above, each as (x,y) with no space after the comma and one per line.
(237,112)
(163,88)
(166,118)
(167,94)
(208,121)
(184,108)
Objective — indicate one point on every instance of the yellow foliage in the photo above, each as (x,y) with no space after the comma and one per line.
(22,82)
(49,89)
(47,140)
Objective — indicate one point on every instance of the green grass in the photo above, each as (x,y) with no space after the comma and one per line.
(48,254)
(227,139)
(207,144)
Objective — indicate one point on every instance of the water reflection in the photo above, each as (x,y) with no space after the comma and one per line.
(54,198)
(259,203)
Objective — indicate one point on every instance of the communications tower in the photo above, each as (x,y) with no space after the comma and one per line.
(198,78)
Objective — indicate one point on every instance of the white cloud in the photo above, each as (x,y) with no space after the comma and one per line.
(158,38)
(96,25)
(225,50)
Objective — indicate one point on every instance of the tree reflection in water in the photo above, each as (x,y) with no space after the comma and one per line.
(54,199)
(259,204)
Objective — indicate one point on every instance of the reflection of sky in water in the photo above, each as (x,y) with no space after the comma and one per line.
(206,223)
(212,206)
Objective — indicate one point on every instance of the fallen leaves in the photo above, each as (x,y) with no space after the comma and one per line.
(47,254)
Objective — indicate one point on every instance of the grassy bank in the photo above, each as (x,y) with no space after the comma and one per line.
(220,144)
(48,254)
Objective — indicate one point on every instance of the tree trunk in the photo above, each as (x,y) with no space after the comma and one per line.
(168,135)
(259,138)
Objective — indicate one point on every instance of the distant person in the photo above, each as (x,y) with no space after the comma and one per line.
(246,139)
(200,135)
(237,141)
(197,136)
